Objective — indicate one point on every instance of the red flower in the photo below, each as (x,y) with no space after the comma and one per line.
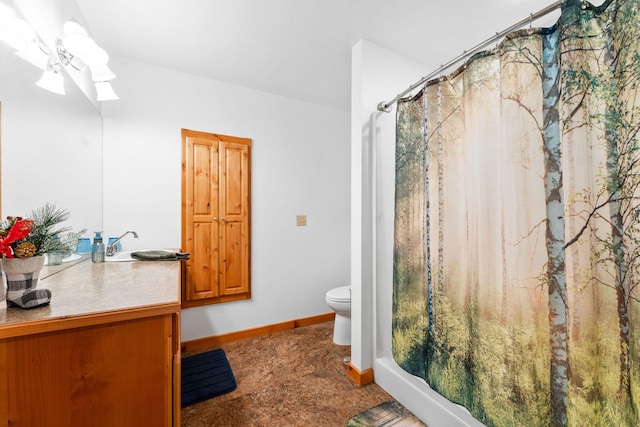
(20,229)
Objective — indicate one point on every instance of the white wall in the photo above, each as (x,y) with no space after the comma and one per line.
(377,75)
(300,162)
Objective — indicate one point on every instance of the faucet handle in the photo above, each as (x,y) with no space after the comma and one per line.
(114,245)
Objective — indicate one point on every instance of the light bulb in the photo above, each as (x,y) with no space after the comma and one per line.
(79,44)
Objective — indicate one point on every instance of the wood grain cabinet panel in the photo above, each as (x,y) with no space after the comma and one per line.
(112,374)
(216,196)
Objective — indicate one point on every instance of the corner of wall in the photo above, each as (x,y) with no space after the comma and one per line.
(377,74)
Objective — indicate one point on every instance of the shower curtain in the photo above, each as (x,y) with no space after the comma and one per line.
(517,226)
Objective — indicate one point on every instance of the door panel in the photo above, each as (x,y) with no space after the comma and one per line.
(233,278)
(234,207)
(204,172)
(234,171)
(204,261)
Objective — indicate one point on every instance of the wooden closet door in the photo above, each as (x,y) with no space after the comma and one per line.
(216,211)
(234,218)
(200,216)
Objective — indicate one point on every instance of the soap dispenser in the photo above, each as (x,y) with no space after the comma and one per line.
(97,248)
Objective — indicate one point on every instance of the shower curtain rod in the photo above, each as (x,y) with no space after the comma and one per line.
(386,106)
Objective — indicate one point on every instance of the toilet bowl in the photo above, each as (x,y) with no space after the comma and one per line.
(339,300)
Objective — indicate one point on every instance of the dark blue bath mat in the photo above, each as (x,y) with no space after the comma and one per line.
(206,375)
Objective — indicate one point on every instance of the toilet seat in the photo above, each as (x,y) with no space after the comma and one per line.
(341,294)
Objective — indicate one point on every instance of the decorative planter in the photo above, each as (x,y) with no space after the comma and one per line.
(22,278)
(32,265)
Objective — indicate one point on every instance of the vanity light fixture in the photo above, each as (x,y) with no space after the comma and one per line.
(76,50)
(80,51)
(52,79)
(66,58)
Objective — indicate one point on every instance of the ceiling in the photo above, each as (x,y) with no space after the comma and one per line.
(295,48)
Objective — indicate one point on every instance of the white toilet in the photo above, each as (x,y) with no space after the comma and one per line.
(339,300)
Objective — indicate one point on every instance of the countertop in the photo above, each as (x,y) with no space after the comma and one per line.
(87,293)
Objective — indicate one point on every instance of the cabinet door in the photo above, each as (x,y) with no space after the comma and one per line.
(200,217)
(113,374)
(234,218)
(216,213)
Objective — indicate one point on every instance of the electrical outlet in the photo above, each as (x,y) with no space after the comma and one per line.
(301,220)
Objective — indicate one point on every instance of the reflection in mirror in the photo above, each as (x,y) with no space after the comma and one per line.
(51,146)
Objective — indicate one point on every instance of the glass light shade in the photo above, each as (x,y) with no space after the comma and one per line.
(34,55)
(102,73)
(101,57)
(80,45)
(105,92)
(52,81)
(72,26)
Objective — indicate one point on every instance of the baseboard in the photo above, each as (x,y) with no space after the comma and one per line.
(217,340)
(360,378)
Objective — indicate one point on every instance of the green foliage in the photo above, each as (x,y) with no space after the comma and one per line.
(46,234)
(409,327)
(410,320)
(506,362)
(500,371)
(594,384)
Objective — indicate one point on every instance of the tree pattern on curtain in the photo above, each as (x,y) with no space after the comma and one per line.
(517,225)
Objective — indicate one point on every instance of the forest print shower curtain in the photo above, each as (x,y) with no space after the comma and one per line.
(517,226)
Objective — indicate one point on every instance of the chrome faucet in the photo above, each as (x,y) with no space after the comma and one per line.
(113,246)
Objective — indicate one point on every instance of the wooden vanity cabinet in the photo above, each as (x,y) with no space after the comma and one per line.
(108,374)
(110,367)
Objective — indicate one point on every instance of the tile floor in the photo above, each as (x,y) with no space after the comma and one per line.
(291,378)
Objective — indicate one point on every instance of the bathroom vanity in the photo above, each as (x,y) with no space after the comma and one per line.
(105,352)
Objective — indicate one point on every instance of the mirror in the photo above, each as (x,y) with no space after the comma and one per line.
(51,146)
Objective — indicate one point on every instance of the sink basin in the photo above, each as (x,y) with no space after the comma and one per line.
(126,255)
(120,257)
